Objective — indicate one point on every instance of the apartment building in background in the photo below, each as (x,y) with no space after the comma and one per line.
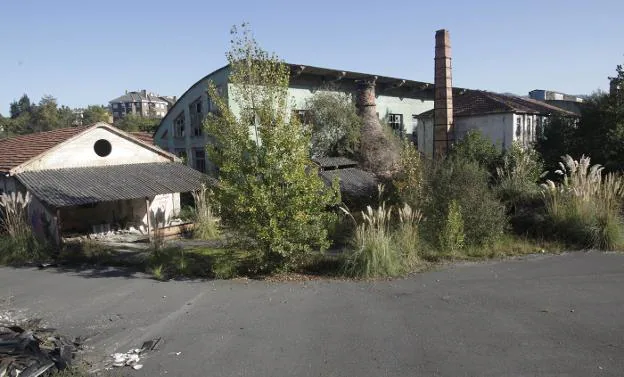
(142,103)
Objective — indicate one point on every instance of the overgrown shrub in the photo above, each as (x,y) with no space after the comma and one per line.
(18,244)
(269,193)
(335,124)
(518,176)
(384,244)
(408,181)
(451,237)
(466,183)
(474,147)
(584,209)
(374,254)
(206,221)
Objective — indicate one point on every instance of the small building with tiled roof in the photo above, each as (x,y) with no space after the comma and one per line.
(86,180)
(503,119)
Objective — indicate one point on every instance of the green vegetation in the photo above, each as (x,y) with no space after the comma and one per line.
(584,209)
(335,124)
(17,242)
(135,123)
(269,193)
(204,217)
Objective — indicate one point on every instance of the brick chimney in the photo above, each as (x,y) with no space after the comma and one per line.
(443,132)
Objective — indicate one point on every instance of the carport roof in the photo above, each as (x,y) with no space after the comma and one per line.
(86,185)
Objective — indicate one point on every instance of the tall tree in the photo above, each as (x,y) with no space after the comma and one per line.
(93,114)
(268,190)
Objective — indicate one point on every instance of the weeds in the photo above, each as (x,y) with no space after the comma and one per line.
(451,238)
(206,221)
(584,209)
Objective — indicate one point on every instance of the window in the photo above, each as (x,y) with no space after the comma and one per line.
(178,125)
(200,160)
(529,127)
(395,121)
(102,147)
(195,109)
(518,126)
(115,105)
(415,129)
(181,152)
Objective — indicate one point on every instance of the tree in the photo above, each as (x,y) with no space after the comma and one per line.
(134,123)
(268,190)
(93,114)
(476,148)
(21,106)
(335,124)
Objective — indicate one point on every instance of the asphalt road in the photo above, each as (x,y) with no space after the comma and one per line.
(542,316)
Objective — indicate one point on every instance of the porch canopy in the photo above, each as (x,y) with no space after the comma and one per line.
(85,185)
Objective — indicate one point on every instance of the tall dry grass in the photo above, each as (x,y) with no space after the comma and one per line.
(17,241)
(385,242)
(584,208)
(206,219)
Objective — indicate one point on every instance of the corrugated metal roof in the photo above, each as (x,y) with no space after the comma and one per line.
(85,185)
(334,162)
(353,182)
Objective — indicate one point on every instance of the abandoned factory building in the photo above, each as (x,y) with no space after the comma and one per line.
(94,179)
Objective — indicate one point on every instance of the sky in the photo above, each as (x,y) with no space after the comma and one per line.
(88,52)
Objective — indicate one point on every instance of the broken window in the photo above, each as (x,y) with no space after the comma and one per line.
(200,160)
(195,109)
(529,128)
(415,129)
(178,125)
(181,152)
(518,126)
(395,121)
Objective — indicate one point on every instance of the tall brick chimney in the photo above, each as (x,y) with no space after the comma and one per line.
(443,132)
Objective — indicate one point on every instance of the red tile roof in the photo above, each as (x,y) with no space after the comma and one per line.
(146,137)
(16,150)
(478,102)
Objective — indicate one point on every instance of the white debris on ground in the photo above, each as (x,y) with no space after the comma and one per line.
(130,358)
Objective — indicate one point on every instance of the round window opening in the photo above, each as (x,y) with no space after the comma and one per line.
(102,147)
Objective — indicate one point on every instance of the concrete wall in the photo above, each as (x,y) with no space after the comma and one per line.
(299,92)
(165,135)
(80,152)
(121,214)
(498,128)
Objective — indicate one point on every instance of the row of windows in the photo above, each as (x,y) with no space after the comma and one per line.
(128,105)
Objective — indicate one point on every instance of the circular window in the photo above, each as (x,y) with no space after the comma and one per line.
(102,147)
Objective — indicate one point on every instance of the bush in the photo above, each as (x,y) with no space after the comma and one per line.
(374,253)
(518,177)
(269,193)
(335,124)
(466,183)
(584,209)
(408,181)
(21,249)
(451,238)
(206,221)
(473,147)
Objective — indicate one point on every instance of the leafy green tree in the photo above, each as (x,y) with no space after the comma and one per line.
(93,114)
(269,192)
(335,124)
(135,122)
(476,148)
(21,106)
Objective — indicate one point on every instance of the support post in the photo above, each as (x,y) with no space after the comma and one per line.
(149,220)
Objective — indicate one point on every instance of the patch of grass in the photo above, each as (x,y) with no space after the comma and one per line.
(206,220)
(585,209)
(211,263)
(73,371)
(157,272)
(22,249)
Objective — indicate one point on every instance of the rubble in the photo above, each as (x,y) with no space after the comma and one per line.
(132,358)
(27,350)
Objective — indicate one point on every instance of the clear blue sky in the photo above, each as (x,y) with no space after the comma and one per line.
(88,52)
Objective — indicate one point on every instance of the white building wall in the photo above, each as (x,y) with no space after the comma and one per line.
(80,152)
(498,128)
